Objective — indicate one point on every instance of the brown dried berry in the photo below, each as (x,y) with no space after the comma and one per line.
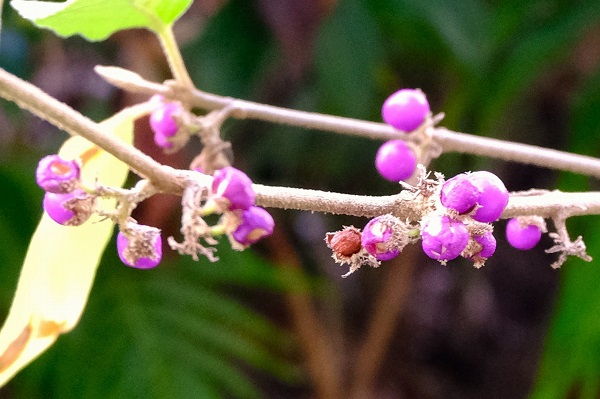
(345,242)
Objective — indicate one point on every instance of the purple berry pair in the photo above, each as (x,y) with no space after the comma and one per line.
(64,201)
(482,193)
(232,192)
(406,110)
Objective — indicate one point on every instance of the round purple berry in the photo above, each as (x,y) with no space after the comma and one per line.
(232,188)
(395,160)
(444,238)
(256,223)
(162,122)
(406,109)
(522,235)
(141,249)
(459,194)
(493,196)
(378,238)
(70,209)
(57,175)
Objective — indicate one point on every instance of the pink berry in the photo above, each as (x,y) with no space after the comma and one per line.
(522,236)
(70,209)
(162,122)
(233,188)
(406,109)
(444,238)
(395,161)
(142,249)
(256,224)
(57,175)
(377,239)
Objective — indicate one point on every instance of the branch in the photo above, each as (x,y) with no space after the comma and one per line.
(33,99)
(449,141)
(169,180)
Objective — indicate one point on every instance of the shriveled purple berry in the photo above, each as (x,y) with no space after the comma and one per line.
(493,196)
(57,175)
(406,109)
(459,194)
(395,160)
(232,189)
(378,238)
(522,235)
(443,238)
(162,122)
(70,209)
(141,247)
(256,223)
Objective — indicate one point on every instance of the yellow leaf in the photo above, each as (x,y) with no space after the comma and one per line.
(61,262)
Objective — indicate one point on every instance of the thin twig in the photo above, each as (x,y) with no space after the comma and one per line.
(449,141)
(33,99)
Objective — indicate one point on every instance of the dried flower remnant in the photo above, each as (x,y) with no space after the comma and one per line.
(347,249)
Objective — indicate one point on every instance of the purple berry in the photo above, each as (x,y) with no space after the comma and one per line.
(378,239)
(395,160)
(256,223)
(521,235)
(406,109)
(488,245)
(232,188)
(493,196)
(70,209)
(57,175)
(459,194)
(482,189)
(142,249)
(444,238)
(162,122)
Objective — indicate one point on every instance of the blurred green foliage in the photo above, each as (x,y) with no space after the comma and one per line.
(179,331)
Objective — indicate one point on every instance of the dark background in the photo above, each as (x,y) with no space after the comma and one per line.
(278,321)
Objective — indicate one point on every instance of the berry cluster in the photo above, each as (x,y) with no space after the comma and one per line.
(405,110)
(455,220)
(470,202)
(232,195)
(69,203)
(454,216)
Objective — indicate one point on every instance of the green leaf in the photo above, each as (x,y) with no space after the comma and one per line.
(98,19)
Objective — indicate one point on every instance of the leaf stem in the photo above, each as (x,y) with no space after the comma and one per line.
(173,55)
